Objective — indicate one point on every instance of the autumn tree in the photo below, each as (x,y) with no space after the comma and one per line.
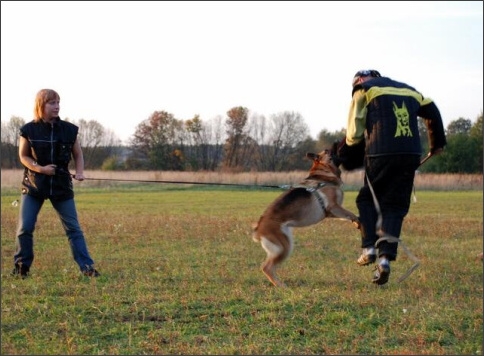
(239,146)
(157,142)
(476,134)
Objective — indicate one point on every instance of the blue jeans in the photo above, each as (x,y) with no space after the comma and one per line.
(66,209)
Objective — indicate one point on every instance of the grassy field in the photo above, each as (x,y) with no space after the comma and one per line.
(181,275)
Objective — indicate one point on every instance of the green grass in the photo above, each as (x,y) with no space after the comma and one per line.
(181,275)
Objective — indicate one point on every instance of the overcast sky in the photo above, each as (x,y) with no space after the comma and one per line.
(118,62)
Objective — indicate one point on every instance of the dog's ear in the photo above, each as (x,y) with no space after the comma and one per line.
(311,155)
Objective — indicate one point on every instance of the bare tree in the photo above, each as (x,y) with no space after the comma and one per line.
(287,131)
(326,138)
(97,142)
(204,150)
(11,130)
(10,140)
(213,136)
(258,131)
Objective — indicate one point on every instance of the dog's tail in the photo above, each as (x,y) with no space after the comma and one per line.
(255,234)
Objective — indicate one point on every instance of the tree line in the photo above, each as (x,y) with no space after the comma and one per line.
(239,142)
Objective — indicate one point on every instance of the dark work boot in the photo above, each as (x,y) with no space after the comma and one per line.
(91,272)
(368,256)
(382,273)
(368,218)
(21,270)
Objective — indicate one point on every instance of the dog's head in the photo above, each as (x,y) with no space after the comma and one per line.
(323,166)
(324,157)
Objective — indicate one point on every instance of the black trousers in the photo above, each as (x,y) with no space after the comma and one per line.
(392,179)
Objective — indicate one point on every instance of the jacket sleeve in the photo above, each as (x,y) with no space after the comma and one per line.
(435,127)
(355,128)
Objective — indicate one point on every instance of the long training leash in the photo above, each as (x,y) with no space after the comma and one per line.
(389,238)
(185,182)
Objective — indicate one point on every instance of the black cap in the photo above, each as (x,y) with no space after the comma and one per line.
(366,73)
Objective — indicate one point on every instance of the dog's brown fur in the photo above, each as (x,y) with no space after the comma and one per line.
(301,206)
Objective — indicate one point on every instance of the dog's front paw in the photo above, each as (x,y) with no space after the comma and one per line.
(357,224)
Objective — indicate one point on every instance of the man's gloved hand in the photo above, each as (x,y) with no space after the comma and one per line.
(334,153)
(351,157)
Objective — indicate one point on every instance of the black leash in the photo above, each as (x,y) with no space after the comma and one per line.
(181,182)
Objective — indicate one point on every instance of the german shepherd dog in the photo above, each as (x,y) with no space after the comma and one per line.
(317,197)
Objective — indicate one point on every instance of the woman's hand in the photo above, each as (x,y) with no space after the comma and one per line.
(78,176)
(48,170)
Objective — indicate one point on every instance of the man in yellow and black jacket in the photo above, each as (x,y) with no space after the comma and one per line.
(382,136)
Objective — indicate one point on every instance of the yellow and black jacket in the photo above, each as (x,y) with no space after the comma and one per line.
(384,113)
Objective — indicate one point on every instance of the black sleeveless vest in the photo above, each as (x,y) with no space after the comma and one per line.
(50,144)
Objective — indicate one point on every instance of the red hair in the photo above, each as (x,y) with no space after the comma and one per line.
(42,97)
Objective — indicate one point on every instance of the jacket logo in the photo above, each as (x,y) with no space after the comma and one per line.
(403,120)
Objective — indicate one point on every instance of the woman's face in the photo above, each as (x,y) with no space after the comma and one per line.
(51,109)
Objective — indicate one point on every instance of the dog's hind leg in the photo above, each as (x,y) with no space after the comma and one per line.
(276,254)
(268,268)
